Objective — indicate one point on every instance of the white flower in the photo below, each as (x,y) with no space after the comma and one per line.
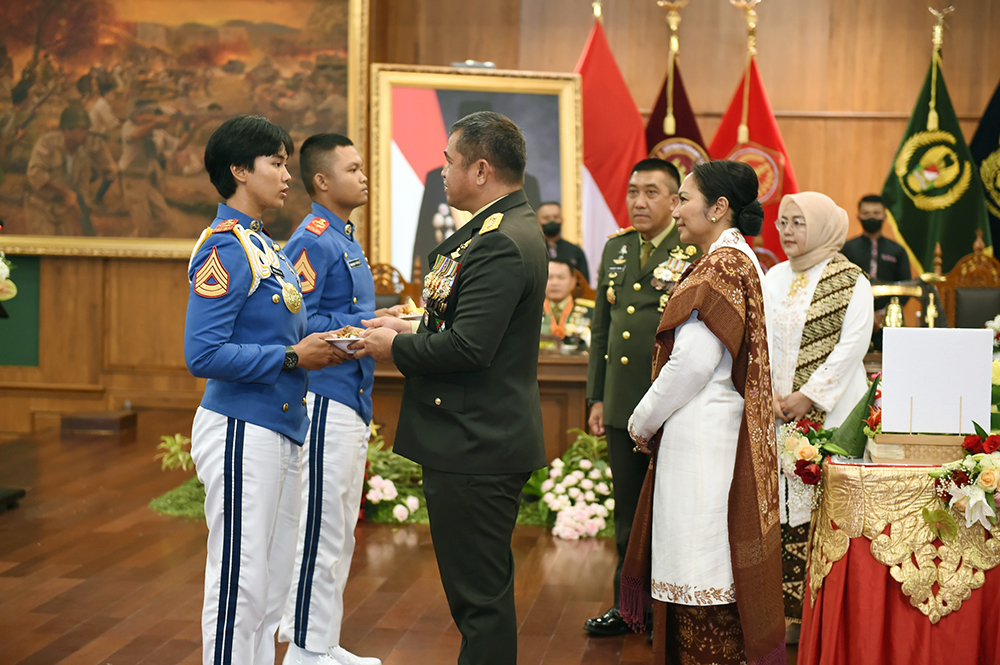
(574,492)
(607,472)
(376,482)
(610,504)
(969,463)
(586,464)
(548,484)
(413,503)
(559,488)
(593,526)
(548,497)
(4,271)
(389,490)
(601,510)
(589,496)
(554,472)
(595,474)
(991,461)
(564,502)
(557,463)
(374,496)
(602,488)
(400,512)
(579,474)
(587,484)
(570,480)
(976,510)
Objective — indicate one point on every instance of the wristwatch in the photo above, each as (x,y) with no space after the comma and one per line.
(291,359)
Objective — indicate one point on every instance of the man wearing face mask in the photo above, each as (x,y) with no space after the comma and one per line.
(882,259)
(550,219)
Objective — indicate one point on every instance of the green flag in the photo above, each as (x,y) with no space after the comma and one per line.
(932,194)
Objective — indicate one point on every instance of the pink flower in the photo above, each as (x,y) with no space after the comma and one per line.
(389,490)
(589,496)
(400,512)
(586,464)
(602,488)
(413,503)
(374,496)
(587,484)
(376,482)
(593,526)
(548,485)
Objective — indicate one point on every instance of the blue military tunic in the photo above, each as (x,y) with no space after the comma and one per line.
(238,325)
(339,291)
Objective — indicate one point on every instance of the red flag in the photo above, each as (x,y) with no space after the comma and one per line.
(765,151)
(684,146)
(613,142)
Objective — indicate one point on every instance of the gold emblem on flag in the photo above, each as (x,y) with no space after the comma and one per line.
(931,172)
(990,173)
(683,153)
(769,166)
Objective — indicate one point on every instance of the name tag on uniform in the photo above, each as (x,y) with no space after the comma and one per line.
(354,263)
(888,258)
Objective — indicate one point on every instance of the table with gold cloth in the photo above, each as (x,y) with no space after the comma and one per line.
(882,589)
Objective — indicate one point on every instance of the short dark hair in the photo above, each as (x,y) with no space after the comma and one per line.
(495,138)
(564,263)
(871,198)
(655,164)
(738,183)
(239,141)
(313,155)
(550,203)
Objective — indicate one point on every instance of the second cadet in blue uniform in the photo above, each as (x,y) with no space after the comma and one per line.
(246,332)
(339,291)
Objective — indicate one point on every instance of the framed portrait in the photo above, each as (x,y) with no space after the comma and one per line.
(413,108)
(106,107)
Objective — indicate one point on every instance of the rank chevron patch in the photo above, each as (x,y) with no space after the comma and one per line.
(212,279)
(307,274)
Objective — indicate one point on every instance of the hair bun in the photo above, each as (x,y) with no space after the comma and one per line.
(751,218)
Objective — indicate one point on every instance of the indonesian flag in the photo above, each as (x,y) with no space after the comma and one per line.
(764,151)
(613,141)
(419,137)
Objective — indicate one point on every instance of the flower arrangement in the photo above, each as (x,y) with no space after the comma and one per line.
(803,445)
(7,287)
(994,325)
(873,423)
(393,489)
(995,397)
(576,492)
(969,485)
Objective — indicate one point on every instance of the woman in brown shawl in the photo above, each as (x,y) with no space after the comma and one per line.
(707,542)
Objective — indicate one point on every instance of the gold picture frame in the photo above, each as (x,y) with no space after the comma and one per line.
(435,97)
(289,72)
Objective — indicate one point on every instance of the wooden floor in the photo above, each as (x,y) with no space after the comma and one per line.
(90,576)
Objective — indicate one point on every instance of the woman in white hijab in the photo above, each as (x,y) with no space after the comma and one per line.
(819,331)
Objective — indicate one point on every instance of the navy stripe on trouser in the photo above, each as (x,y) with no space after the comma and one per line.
(314,517)
(232,509)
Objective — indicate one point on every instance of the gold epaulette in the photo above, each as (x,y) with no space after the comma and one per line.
(621,232)
(492,223)
(585,303)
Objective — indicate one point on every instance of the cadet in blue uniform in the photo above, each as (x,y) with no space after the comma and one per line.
(339,291)
(246,332)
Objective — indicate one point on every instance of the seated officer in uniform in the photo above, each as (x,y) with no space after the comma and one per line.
(564,317)
(245,332)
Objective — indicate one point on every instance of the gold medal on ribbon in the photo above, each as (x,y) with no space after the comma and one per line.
(291,296)
(663,302)
(611,295)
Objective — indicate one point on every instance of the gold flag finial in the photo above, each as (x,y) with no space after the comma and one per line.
(674,21)
(937,39)
(749,8)
(598,14)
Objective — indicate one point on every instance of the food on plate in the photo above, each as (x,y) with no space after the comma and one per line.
(410,308)
(347,332)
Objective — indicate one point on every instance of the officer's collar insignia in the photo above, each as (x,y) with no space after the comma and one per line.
(226,225)
(348,229)
(317,225)
(306,272)
(256,225)
(492,223)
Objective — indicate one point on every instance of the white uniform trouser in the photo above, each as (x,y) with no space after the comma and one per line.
(251,508)
(332,469)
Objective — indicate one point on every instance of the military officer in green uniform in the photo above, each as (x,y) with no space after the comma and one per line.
(471,413)
(639,268)
(564,317)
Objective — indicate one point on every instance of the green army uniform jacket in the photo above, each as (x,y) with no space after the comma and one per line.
(629,303)
(470,400)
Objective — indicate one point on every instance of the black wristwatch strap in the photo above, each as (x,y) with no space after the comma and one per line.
(291,359)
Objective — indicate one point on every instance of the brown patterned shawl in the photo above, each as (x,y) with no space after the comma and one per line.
(725,289)
(824,320)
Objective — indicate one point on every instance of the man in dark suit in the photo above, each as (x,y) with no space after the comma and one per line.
(883,259)
(471,413)
(639,268)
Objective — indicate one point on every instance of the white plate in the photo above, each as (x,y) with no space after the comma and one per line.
(412,317)
(343,342)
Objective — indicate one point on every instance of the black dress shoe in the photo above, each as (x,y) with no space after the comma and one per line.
(608,624)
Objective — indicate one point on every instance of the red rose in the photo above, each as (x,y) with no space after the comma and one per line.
(991,444)
(973,443)
(807,471)
(960,478)
(941,491)
(805,426)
